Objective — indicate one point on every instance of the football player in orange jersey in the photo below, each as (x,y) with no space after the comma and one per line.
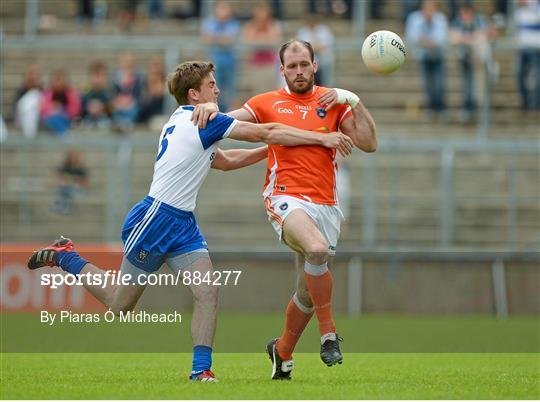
(300,194)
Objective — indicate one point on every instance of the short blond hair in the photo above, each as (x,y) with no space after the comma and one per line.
(186,76)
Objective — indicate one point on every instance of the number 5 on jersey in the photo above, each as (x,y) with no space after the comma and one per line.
(165,142)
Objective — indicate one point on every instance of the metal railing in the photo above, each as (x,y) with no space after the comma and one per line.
(120,171)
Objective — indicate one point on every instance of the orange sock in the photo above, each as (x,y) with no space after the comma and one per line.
(319,282)
(297,317)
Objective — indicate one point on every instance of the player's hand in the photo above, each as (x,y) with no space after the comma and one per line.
(338,95)
(328,99)
(203,113)
(339,141)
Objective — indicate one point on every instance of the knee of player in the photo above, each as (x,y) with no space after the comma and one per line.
(317,252)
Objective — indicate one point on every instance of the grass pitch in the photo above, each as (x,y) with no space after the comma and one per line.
(247,376)
(396,357)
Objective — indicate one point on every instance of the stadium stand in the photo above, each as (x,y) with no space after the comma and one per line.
(495,200)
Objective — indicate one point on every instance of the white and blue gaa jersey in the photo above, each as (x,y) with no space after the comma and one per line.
(184,157)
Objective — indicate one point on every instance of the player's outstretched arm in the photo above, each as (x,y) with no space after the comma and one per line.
(276,133)
(361,126)
(242,115)
(231,159)
(205,112)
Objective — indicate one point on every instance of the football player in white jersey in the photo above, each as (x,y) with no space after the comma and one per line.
(162,227)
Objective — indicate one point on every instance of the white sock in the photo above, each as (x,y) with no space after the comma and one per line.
(315,270)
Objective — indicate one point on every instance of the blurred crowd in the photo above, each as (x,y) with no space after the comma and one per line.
(429,32)
(109,100)
(263,34)
(116,98)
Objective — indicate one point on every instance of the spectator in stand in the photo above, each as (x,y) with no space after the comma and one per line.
(453,7)
(501,6)
(322,7)
(155,9)
(340,8)
(28,101)
(97,98)
(321,38)
(193,10)
(221,32)
(470,33)
(408,7)
(427,34)
(152,100)
(86,11)
(277,9)
(127,87)
(264,34)
(92,11)
(527,18)
(376,9)
(127,14)
(60,105)
(72,178)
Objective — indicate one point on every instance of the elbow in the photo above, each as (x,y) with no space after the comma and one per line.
(368,147)
(371,146)
(367,143)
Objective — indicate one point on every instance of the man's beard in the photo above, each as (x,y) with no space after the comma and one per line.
(294,88)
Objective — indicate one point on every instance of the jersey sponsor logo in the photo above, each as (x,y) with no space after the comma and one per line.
(285,110)
(284,206)
(282,188)
(321,112)
(279,103)
(303,107)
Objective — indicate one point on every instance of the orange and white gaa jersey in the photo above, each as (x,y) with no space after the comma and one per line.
(305,172)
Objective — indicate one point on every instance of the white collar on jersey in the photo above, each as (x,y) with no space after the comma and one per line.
(286,88)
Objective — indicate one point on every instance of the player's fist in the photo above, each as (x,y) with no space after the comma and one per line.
(339,141)
(337,95)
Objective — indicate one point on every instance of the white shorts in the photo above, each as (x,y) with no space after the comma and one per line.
(327,218)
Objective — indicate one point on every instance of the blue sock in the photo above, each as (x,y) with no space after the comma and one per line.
(202,359)
(71,262)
